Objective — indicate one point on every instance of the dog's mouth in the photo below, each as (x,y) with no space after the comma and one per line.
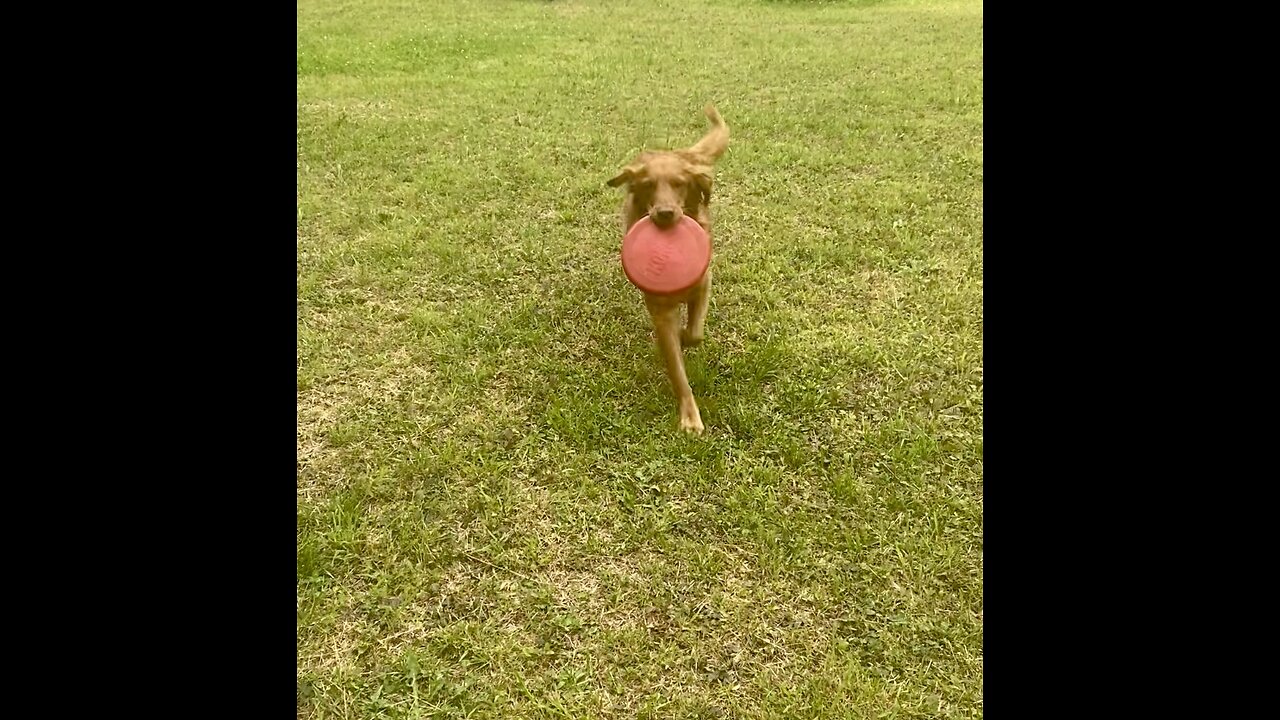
(664,218)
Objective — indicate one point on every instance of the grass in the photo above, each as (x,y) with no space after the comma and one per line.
(496,515)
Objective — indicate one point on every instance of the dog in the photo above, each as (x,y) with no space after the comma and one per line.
(666,186)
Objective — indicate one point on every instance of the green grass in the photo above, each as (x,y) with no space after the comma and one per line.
(497,517)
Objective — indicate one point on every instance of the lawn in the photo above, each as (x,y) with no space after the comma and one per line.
(497,516)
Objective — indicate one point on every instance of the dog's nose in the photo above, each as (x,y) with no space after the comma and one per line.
(664,217)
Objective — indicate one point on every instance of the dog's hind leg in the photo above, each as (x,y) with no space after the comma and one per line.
(694,331)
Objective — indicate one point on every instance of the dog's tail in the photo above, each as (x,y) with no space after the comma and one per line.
(713,144)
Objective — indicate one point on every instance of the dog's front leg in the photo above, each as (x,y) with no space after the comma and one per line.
(666,325)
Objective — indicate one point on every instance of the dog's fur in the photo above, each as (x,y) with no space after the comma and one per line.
(666,186)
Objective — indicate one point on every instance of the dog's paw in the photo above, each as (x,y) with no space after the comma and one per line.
(691,424)
(688,339)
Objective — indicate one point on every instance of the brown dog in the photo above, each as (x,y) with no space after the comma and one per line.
(665,186)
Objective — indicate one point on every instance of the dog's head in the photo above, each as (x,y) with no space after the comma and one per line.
(666,185)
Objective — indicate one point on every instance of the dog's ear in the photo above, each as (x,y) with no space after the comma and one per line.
(624,176)
(630,172)
(702,177)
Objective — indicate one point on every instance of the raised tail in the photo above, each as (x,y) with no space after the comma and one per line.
(713,144)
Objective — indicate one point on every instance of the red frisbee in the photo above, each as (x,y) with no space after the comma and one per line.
(664,262)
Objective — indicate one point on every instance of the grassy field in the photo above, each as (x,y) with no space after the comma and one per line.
(497,517)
